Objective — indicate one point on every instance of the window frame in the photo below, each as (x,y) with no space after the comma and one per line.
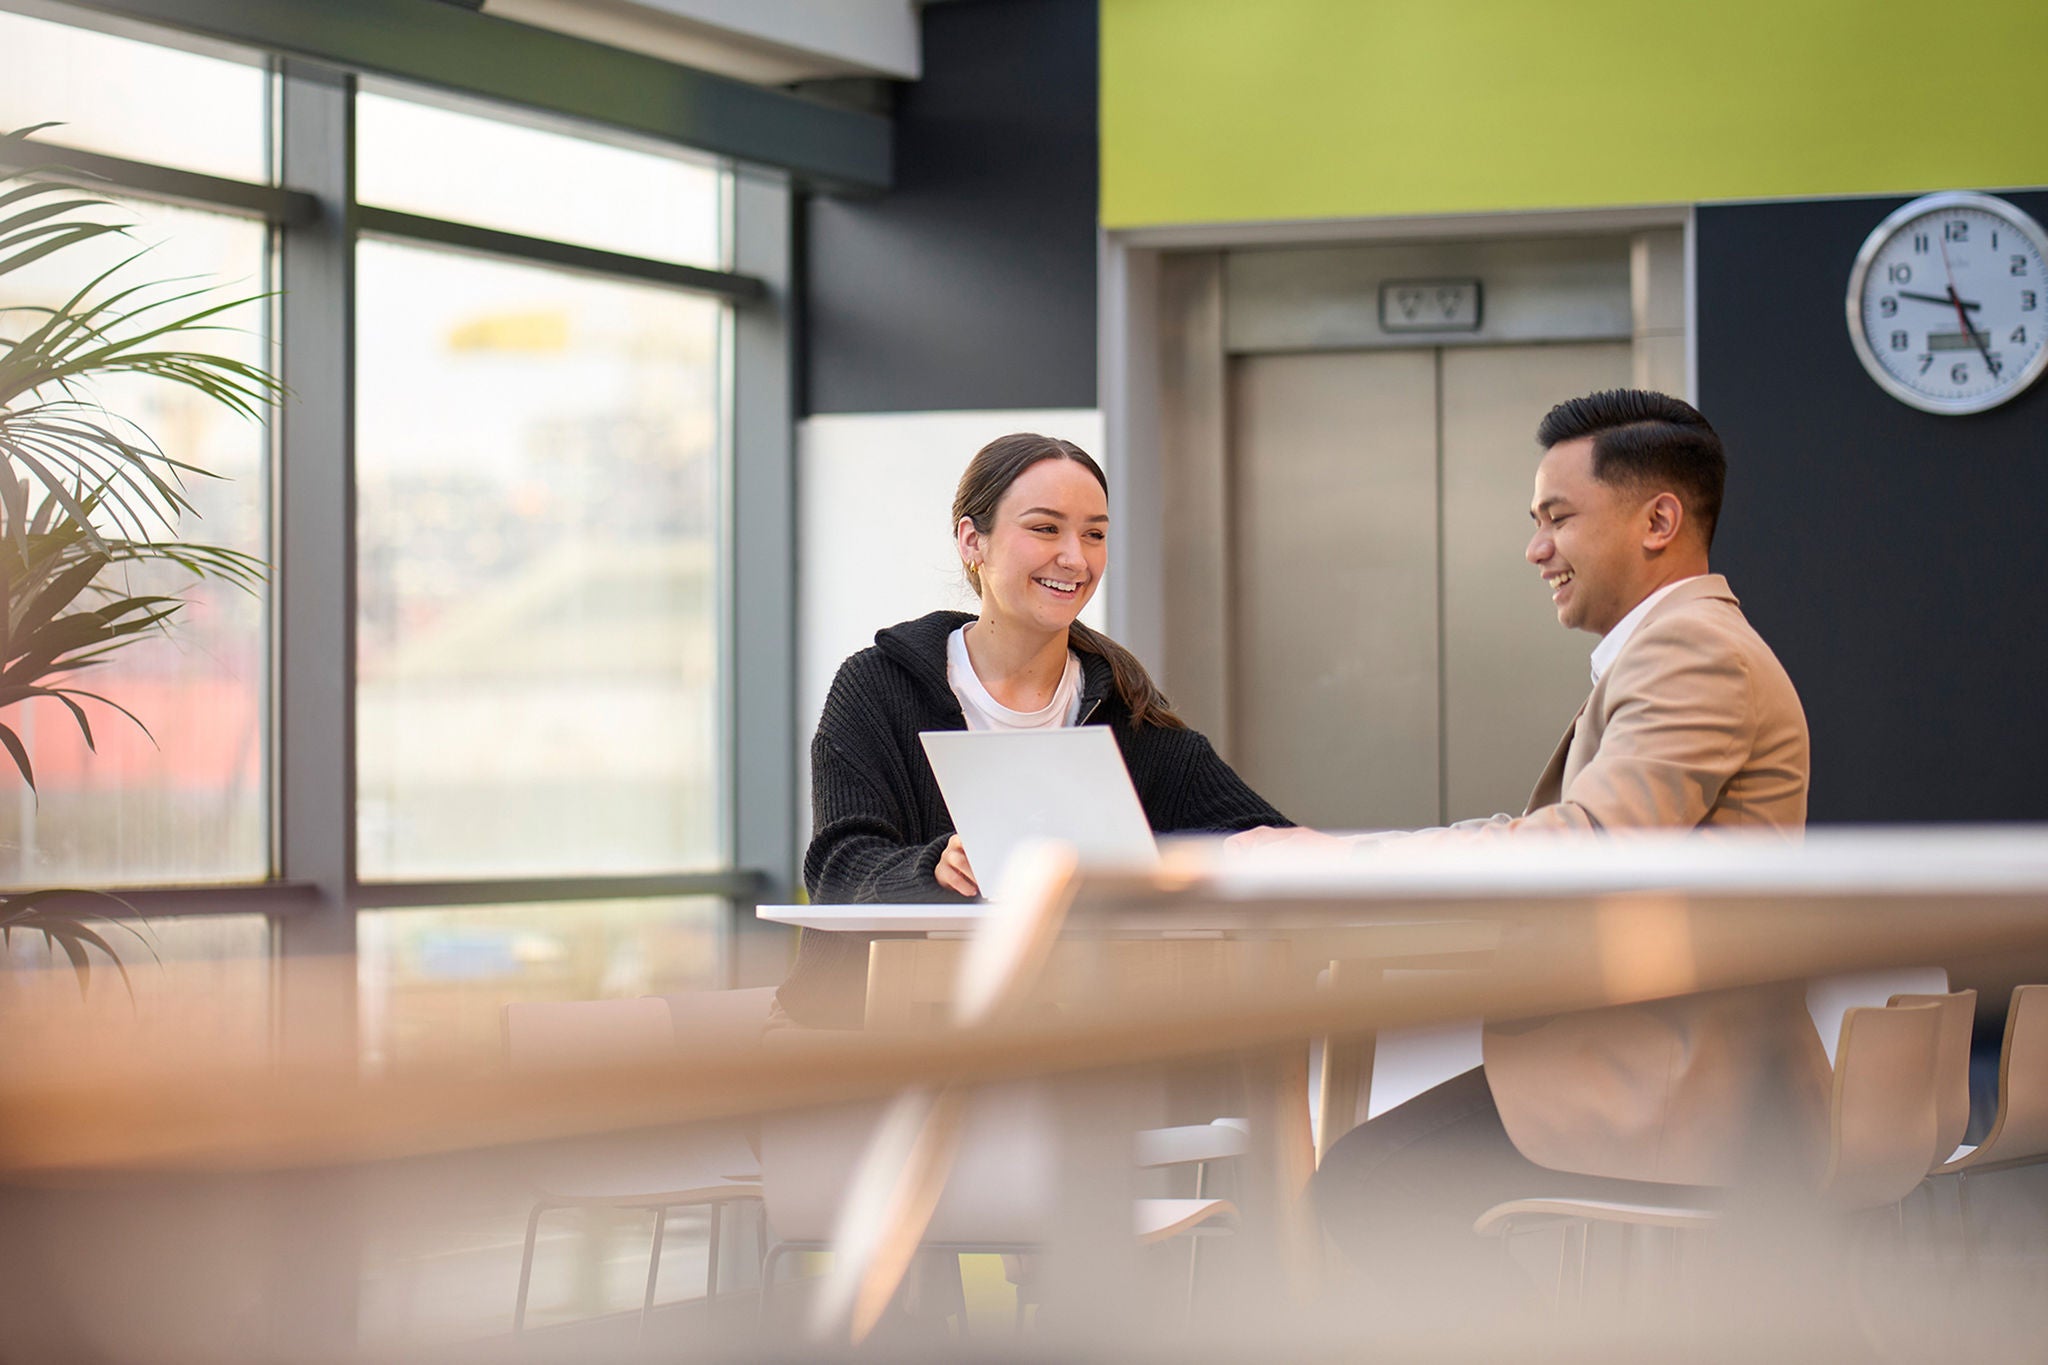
(313,893)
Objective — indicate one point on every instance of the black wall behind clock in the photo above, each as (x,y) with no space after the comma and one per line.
(1896,560)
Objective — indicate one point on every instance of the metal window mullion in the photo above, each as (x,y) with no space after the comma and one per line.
(314,583)
(169,185)
(453,894)
(480,241)
(760,551)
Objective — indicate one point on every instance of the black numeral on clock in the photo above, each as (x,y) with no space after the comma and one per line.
(1900,274)
(1959,373)
(1888,307)
(2019,265)
(2019,335)
(1926,363)
(2029,301)
(1920,244)
(1899,341)
(1955,231)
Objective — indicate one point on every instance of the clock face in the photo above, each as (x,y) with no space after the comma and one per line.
(1948,303)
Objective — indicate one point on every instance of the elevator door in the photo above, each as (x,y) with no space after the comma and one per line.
(1395,662)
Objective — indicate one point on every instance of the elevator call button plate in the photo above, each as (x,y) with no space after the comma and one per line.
(1429,305)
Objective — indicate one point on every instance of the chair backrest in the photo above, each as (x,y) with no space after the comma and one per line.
(719,1020)
(2020,1131)
(545,1035)
(1884,1121)
(1828,997)
(1951,1066)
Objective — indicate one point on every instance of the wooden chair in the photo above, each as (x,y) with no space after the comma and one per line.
(654,1173)
(1884,1125)
(1952,1070)
(2019,1129)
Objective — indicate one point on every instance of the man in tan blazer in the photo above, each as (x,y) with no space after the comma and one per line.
(1692,723)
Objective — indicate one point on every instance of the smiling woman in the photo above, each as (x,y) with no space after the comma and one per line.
(1031,522)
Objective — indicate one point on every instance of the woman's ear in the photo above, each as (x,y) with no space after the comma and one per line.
(969,541)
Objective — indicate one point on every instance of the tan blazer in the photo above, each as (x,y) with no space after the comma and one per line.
(1694,725)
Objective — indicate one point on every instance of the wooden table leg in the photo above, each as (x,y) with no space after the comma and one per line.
(1345,1093)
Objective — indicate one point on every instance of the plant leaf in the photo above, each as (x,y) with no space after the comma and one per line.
(20,755)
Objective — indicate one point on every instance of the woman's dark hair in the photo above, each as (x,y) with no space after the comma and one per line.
(989,475)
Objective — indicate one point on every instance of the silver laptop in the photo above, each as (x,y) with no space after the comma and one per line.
(1008,788)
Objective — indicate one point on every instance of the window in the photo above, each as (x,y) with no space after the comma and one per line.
(537,466)
(139,100)
(534,658)
(185,800)
(432,980)
(444,163)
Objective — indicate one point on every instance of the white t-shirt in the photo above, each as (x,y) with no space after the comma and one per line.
(984,712)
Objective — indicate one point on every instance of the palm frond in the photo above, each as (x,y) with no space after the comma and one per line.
(85,492)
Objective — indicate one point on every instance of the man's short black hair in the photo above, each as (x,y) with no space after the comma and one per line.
(1648,441)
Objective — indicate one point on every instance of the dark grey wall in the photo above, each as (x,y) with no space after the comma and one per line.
(1891,557)
(971,284)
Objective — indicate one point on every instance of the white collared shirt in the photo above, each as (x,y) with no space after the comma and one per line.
(1609,648)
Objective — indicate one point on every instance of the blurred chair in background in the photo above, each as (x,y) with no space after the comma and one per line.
(655,1172)
(1884,1124)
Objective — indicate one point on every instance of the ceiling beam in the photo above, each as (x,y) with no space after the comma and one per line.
(456,49)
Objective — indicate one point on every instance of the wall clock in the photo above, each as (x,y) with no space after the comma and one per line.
(1948,302)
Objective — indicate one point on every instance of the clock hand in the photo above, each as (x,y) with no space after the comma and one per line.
(1973,334)
(1963,316)
(1935,298)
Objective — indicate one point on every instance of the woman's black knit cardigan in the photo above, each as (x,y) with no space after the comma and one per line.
(880,824)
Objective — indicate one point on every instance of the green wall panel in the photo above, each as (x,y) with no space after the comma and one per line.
(1222,110)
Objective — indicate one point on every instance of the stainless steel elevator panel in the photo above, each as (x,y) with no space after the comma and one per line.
(1513,678)
(1332,532)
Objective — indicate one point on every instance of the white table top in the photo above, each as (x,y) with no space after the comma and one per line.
(1282,888)
(878,919)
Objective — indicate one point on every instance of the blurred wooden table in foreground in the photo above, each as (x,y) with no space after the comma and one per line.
(97,1086)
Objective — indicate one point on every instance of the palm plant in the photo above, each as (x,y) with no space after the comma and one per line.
(85,494)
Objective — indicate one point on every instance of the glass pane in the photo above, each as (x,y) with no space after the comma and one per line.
(421,159)
(538,571)
(200,977)
(432,982)
(185,801)
(134,99)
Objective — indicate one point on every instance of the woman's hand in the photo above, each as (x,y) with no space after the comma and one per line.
(953,873)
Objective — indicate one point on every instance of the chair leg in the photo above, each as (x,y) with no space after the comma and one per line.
(1628,1256)
(1564,1251)
(526,1268)
(711,1261)
(653,1265)
(1194,1242)
(1963,1216)
(769,1261)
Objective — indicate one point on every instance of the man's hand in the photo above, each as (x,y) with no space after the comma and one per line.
(1271,836)
(953,873)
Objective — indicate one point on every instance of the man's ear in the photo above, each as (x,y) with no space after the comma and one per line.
(1665,519)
